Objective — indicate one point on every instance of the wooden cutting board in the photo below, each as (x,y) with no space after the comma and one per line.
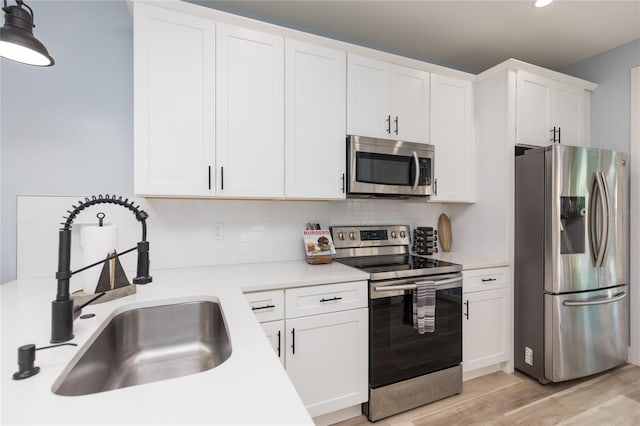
(444,232)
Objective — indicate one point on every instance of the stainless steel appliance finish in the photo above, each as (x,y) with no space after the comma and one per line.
(387,168)
(144,345)
(571,262)
(406,369)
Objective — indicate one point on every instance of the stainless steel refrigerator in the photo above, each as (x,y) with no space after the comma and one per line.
(571,262)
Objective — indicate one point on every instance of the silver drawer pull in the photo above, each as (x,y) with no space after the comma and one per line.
(484,280)
(330,299)
(257,308)
(602,301)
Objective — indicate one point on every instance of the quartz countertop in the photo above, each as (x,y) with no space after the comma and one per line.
(251,387)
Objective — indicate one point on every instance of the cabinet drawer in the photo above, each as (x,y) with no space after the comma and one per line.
(485,279)
(326,298)
(267,305)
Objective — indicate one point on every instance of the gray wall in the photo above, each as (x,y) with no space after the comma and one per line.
(610,103)
(68,129)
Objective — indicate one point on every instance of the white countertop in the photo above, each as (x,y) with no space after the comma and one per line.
(471,260)
(251,387)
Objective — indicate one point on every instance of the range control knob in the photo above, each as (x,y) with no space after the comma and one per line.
(393,234)
(352,236)
(403,234)
(341,235)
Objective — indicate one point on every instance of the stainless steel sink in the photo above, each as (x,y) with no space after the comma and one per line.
(148,344)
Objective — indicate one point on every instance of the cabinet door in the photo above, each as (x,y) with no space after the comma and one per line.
(250,113)
(568,104)
(368,97)
(453,135)
(409,104)
(485,328)
(174,109)
(533,110)
(274,331)
(327,359)
(315,121)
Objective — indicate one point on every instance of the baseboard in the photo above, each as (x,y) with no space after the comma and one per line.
(338,416)
(481,372)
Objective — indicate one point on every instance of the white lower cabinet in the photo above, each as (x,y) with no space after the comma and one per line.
(321,339)
(327,359)
(486,309)
(274,330)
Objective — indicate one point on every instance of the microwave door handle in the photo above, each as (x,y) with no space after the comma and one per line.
(416,179)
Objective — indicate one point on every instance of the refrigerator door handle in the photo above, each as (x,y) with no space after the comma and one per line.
(597,239)
(602,301)
(606,228)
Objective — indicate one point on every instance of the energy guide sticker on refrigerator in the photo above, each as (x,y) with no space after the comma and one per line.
(571,262)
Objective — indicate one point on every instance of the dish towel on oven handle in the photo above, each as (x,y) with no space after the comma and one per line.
(424,307)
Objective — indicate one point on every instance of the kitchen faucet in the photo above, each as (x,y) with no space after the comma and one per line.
(62,311)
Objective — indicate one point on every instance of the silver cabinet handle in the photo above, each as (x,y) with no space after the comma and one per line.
(602,301)
(435,187)
(396,121)
(485,280)
(389,123)
(416,161)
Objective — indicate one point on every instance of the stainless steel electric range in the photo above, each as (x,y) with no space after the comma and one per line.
(406,369)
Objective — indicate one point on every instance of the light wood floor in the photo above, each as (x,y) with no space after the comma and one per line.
(611,398)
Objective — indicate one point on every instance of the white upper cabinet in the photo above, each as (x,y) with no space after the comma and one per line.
(174,109)
(387,101)
(315,121)
(249,113)
(368,97)
(409,104)
(548,112)
(453,135)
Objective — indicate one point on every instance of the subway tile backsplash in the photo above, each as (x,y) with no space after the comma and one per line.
(181,231)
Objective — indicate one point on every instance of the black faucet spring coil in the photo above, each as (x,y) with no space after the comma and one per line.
(141,215)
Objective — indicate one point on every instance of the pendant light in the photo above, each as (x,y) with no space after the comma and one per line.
(16,37)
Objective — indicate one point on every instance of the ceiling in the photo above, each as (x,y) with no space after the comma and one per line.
(470,36)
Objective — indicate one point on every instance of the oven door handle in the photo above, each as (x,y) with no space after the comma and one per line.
(413,286)
(396,287)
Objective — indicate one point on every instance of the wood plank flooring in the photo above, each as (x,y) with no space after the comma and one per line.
(610,398)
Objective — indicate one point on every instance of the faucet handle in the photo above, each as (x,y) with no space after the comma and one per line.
(142,274)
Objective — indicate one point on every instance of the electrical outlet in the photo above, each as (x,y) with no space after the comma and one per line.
(528,355)
(217,231)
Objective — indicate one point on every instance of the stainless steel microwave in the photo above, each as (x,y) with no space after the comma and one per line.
(388,168)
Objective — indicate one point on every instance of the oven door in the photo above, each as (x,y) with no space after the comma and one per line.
(386,167)
(396,351)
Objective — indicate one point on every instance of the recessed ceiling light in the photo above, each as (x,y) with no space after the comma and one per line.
(542,3)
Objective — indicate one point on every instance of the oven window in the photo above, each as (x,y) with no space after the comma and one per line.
(384,169)
(398,352)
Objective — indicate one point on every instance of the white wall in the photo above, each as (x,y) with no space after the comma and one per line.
(634,354)
(610,117)
(68,129)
